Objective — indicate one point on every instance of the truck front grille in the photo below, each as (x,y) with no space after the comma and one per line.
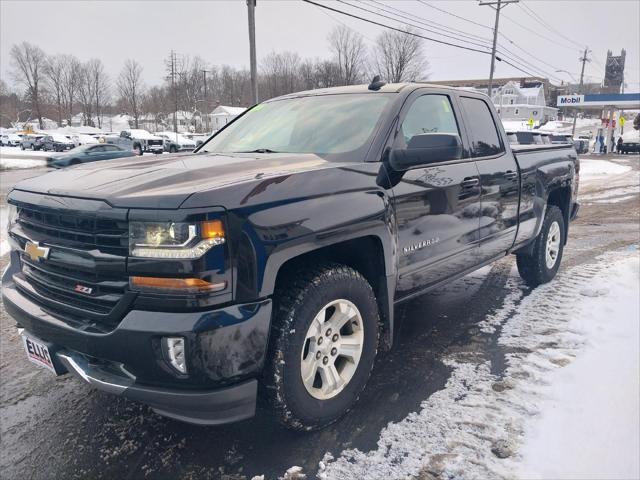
(84,275)
(106,235)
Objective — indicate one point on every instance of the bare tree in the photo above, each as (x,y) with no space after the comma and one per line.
(100,81)
(281,73)
(349,53)
(54,73)
(131,88)
(71,79)
(28,68)
(399,57)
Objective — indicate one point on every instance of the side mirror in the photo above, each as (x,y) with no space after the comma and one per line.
(426,148)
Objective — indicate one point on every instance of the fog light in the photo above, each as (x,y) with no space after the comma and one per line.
(174,349)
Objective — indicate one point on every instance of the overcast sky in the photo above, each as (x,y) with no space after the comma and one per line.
(217,31)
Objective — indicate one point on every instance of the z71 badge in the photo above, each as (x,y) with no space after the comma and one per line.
(420,245)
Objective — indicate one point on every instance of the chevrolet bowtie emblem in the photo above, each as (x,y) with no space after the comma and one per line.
(35,251)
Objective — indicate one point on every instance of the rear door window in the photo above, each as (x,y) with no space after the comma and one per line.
(483,133)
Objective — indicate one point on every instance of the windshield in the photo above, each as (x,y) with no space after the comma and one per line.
(82,148)
(323,124)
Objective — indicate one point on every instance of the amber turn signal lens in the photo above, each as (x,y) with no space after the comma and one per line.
(184,284)
(212,229)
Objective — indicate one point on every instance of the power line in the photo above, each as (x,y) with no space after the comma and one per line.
(431,23)
(539,34)
(413,34)
(517,58)
(502,35)
(413,25)
(539,19)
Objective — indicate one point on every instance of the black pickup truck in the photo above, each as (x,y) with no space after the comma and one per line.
(268,263)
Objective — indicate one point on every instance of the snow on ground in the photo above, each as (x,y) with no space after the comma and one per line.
(602,181)
(594,399)
(14,157)
(592,169)
(504,425)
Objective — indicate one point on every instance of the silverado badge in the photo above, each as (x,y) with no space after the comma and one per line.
(35,251)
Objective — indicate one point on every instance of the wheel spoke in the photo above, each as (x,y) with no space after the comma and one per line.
(309,368)
(341,316)
(350,347)
(331,379)
(315,330)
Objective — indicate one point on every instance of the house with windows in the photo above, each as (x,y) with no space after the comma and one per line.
(515,102)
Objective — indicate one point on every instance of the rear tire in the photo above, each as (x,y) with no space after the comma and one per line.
(325,324)
(544,261)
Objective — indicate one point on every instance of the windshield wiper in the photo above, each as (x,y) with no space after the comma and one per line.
(259,150)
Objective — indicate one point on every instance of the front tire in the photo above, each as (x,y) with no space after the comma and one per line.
(324,342)
(544,261)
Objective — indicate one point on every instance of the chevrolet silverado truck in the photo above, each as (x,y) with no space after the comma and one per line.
(268,264)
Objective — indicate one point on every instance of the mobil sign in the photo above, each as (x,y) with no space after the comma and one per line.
(568,100)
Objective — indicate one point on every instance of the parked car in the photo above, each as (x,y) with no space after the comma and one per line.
(581,145)
(10,140)
(31,141)
(277,252)
(138,140)
(56,142)
(89,153)
(174,142)
(199,138)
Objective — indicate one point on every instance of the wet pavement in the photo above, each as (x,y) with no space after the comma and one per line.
(60,428)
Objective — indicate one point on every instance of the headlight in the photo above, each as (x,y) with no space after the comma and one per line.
(174,240)
(12,216)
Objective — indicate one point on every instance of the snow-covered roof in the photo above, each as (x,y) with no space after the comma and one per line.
(142,134)
(224,110)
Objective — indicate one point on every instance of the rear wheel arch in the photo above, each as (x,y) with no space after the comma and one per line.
(367,255)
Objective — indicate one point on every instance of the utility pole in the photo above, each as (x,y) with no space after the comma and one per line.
(172,66)
(584,59)
(251,6)
(499,5)
(206,103)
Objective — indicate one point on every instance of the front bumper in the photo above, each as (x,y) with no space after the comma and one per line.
(225,351)
(213,407)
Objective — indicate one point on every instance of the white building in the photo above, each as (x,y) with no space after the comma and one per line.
(514,102)
(223,115)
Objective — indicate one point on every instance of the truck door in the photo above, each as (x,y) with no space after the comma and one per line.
(435,205)
(499,178)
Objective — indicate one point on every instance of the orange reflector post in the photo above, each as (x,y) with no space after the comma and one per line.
(212,229)
(176,284)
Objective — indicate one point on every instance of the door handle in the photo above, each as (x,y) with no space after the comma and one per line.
(470,182)
(510,174)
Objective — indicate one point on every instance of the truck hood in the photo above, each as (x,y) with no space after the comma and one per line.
(166,182)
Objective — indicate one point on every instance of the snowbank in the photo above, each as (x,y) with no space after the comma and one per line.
(592,169)
(588,427)
(476,426)
(14,157)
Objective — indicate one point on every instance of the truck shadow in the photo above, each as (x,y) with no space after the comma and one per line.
(122,439)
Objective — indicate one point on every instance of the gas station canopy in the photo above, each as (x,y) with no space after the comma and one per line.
(629,101)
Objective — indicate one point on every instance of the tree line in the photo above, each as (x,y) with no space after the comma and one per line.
(61,86)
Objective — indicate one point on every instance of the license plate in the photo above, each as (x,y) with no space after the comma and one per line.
(38,353)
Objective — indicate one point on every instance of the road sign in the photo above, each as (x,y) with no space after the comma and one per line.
(622,120)
(530,122)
